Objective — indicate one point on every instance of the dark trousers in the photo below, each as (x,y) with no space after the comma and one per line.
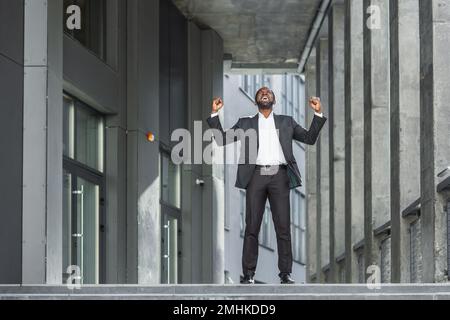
(274,187)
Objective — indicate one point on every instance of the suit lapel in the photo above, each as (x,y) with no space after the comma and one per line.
(277,121)
(255,125)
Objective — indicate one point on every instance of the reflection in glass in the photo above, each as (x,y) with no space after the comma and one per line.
(93,24)
(83,135)
(68,127)
(81,228)
(170,250)
(170,181)
(89,138)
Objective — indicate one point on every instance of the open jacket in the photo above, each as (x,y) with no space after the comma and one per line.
(288,130)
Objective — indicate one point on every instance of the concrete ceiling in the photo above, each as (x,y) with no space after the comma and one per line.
(257,34)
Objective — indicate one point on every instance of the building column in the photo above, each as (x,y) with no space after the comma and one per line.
(405,119)
(213,206)
(336,33)
(311,175)
(323,172)
(376,124)
(11,125)
(143,157)
(434,133)
(354,135)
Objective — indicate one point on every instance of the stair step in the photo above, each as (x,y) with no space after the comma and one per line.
(259,291)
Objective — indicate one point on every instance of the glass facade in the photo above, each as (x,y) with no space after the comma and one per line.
(170,182)
(92,31)
(251,83)
(83,134)
(298,226)
(292,97)
(83,187)
(170,249)
(171,219)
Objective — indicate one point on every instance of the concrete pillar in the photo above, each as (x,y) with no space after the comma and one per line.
(54,144)
(34,140)
(336,25)
(42,145)
(405,119)
(354,135)
(213,206)
(323,173)
(434,132)
(143,185)
(311,175)
(376,123)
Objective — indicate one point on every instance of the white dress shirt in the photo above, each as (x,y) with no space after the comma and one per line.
(269,151)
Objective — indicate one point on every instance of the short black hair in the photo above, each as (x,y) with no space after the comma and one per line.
(256,94)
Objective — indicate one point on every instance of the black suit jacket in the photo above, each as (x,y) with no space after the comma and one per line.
(289,130)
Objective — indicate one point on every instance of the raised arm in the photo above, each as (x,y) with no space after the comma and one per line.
(228,136)
(310,136)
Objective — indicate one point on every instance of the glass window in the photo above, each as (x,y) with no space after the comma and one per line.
(302,103)
(361,272)
(415,254)
(82,188)
(83,134)
(69,129)
(283,94)
(295,98)
(91,33)
(385,260)
(298,226)
(170,181)
(170,250)
(242,212)
(81,228)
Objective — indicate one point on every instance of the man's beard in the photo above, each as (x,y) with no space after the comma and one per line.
(265,105)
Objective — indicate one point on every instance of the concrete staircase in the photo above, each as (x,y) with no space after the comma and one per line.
(225,292)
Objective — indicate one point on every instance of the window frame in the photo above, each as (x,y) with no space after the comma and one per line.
(81,170)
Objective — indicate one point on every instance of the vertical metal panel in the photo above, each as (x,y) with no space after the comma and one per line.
(415,234)
(34,174)
(35,44)
(361,272)
(385,260)
(54,143)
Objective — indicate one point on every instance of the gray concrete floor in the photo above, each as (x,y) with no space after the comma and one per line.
(250,292)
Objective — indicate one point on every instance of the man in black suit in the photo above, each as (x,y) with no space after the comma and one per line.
(269,173)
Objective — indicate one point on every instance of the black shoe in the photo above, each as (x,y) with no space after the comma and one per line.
(248,279)
(286,278)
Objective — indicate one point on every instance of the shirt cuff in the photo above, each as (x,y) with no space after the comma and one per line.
(214,114)
(319,114)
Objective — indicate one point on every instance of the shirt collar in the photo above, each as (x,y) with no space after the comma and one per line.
(261,116)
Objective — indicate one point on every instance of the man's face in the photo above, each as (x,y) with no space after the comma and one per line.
(265,98)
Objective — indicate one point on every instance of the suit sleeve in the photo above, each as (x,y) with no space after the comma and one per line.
(308,136)
(228,136)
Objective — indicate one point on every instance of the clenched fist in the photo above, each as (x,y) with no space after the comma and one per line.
(314,103)
(217,105)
